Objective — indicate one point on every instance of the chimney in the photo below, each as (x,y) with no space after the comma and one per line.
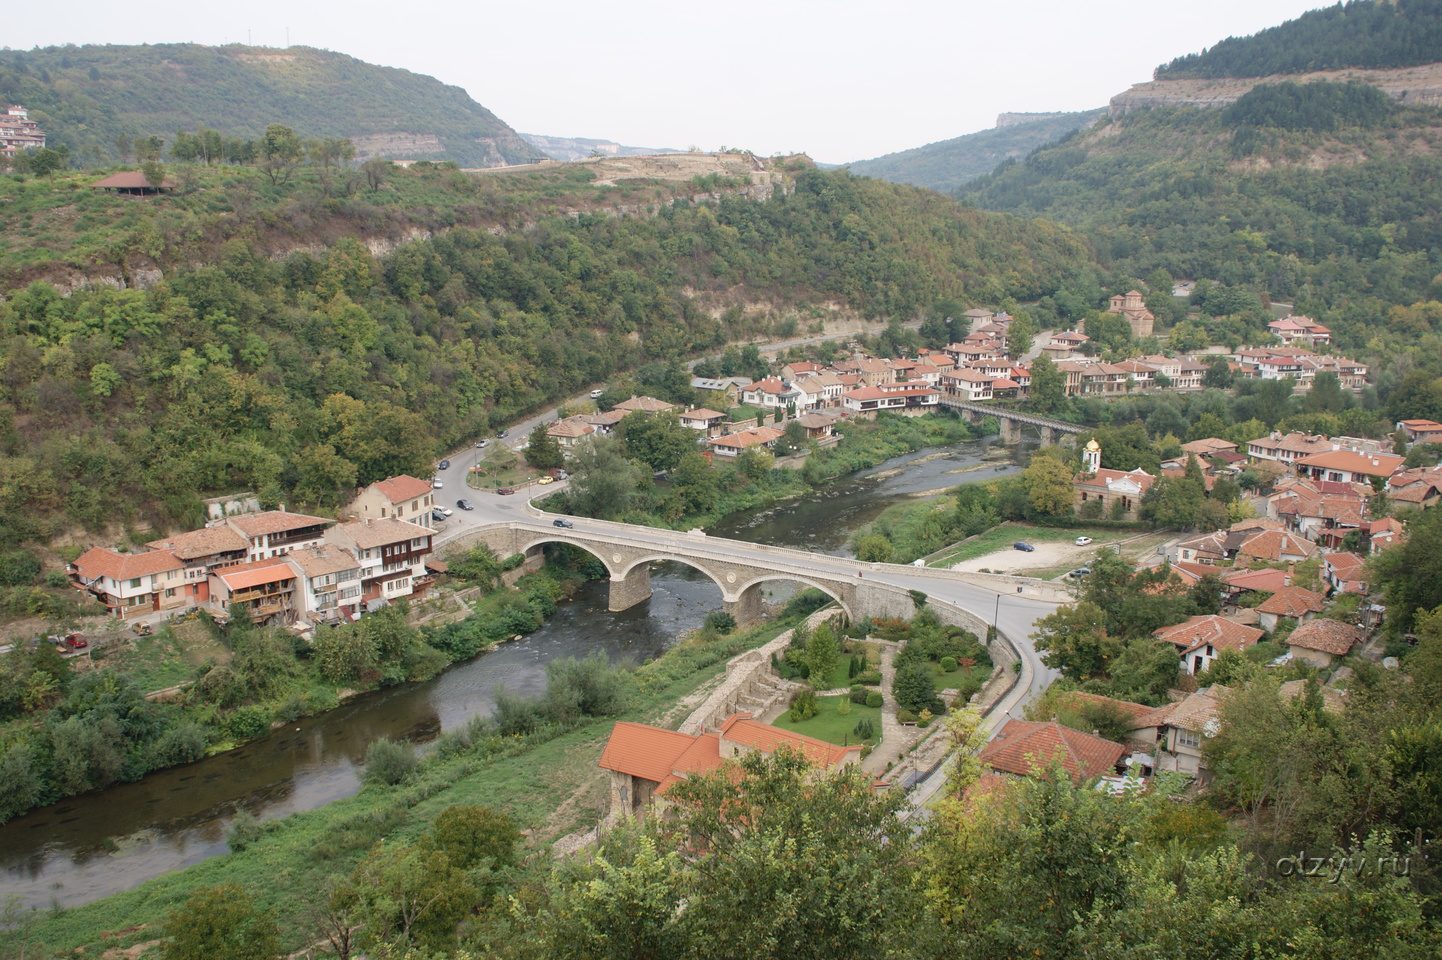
(282,508)
(1291,570)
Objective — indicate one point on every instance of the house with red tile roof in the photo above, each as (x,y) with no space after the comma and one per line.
(203,551)
(405,497)
(131,584)
(645,761)
(1202,638)
(704,421)
(1348,466)
(1320,641)
(917,397)
(644,405)
(266,588)
(1097,484)
(734,444)
(276,532)
(1023,748)
(1293,602)
(1384,533)
(1346,572)
(1184,727)
(1421,431)
(1276,546)
(392,556)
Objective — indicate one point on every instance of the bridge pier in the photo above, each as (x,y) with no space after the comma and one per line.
(1010,430)
(747,606)
(630,590)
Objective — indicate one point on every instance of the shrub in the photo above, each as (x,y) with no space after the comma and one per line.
(843,706)
(389,762)
(874,699)
(870,678)
(865,729)
(904,715)
(721,621)
(244,831)
(803,706)
(858,693)
(948,664)
(914,686)
(247,723)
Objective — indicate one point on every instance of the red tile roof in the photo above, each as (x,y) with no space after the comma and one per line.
(741,728)
(274,521)
(205,542)
(1022,747)
(404,487)
(1328,636)
(1220,632)
(1293,602)
(242,576)
(650,753)
(101,562)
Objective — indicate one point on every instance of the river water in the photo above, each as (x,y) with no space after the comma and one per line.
(91,846)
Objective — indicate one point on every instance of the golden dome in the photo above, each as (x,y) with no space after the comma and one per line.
(1093,446)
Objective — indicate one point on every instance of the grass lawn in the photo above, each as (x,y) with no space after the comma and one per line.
(840,677)
(831,726)
(500,466)
(953,680)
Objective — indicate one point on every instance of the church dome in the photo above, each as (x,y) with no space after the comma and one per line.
(1092,445)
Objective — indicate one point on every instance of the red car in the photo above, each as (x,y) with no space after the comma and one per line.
(76,642)
(505,491)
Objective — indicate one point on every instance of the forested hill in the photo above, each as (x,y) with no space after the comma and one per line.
(947,164)
(87,97)
(1370,34)
(300,376)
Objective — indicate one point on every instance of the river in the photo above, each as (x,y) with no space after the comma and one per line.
(91,846)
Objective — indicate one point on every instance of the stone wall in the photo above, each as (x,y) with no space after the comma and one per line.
(751,685)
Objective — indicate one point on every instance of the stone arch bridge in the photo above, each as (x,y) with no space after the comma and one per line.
(741,570)
(1013,423)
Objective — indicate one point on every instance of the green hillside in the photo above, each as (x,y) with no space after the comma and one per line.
(86,97)
(299,376)
(947,164)
(1372,34)
(1324,195)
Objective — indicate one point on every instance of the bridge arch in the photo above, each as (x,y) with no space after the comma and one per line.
(830,588)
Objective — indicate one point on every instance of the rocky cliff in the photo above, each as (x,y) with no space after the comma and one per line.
(1407,84)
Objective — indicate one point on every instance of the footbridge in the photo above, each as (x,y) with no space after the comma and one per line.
(1012,423)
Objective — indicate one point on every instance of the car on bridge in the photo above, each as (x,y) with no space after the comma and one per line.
(562,522)
(1083,541)
(1023,545)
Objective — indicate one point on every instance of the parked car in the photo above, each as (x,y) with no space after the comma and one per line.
(446,510)
(596,394)
(1080,572)
(142,629)
(559,522)
(503,491)
(437,484)
(1023,545)
(1083,541)
(443,465)
(545,480)
(465,505)
(918,562)
(76,642)
(438,514)
(482,444)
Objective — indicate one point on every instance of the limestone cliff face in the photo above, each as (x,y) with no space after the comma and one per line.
(1408,84)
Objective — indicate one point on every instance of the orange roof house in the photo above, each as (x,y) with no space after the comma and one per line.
(1202,638)
(1319,641)
(645,761)
(1024,747)
(1295,602)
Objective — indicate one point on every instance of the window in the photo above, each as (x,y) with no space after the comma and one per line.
(1188,738)
(135,582)
(170,592)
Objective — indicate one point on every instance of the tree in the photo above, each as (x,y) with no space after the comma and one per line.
(542,450)
(696,483)
(914,686)
(409,895)
(1074,640)
(823,653)
(1049,486)
(604,483)
(376,169)
(1219,374)
(344,654)
(812,869)
(470,836)
(873,548)
(45,161)
(280,152)
(1410,573)
(658,440)
(219,923)
(1019,334)
(1048,386)
(330,153)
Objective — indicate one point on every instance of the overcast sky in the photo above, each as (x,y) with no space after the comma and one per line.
(841,80)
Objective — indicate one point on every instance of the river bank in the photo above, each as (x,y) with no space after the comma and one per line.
(96,844)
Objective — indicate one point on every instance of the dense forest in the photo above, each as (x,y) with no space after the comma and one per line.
(88,97)
(1372,34)
(302,376)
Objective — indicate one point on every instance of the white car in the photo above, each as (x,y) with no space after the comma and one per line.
(436,484)
(596,394)
(1083,541)
(446,510)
